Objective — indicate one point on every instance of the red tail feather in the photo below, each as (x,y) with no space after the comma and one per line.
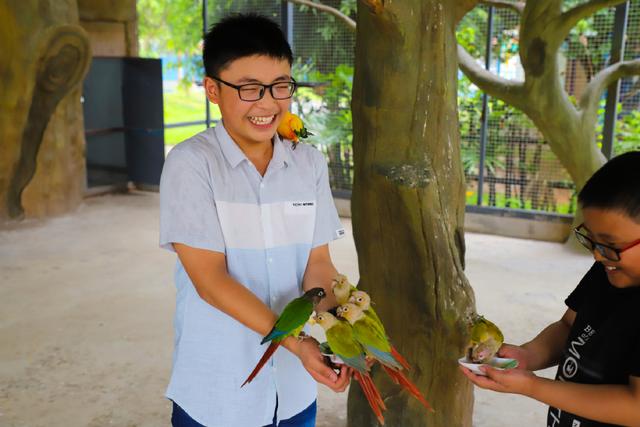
(374,391)
(371,393)
(400,359)
(399,378)
(267,354)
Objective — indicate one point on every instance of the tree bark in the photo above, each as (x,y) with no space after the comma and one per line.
(408,204)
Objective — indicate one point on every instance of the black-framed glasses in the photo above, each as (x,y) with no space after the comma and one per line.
(252,92)
(608,252)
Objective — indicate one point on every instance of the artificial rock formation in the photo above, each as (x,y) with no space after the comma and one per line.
(45,57)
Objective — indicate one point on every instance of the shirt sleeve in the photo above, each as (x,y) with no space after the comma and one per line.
(328,226)
(586,285)
(187,206)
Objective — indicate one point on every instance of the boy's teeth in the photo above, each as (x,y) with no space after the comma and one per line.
(261,120)
(610,267)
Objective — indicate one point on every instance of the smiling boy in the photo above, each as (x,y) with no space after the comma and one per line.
(596,344)
(250,219)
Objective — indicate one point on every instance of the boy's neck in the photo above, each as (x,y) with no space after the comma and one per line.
(258,152)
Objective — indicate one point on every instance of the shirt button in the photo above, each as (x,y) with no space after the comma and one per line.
(270,259)
(262,185)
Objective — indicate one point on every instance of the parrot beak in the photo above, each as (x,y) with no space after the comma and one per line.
(312,319)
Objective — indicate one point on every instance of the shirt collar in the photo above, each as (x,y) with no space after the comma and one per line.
(281,156)
(235,155)
(230,149)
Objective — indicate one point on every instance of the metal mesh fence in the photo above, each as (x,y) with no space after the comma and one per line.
(628,123)
(518,168)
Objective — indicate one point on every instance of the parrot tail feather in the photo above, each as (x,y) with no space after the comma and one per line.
(371,393)
(267,354)
(399,378)
(396,355)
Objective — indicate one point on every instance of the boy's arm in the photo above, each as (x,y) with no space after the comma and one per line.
(611,404)
(607,403)
(546,348)
(320,272)
(208,272)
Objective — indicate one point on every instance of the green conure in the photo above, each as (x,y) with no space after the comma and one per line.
(343,344)
(371,335)
(485,340)
(291,321)
(342,289)
(363,301)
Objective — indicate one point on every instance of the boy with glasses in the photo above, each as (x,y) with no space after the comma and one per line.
(250,220)
(596,344)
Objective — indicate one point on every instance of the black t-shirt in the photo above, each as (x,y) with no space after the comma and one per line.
(603,346)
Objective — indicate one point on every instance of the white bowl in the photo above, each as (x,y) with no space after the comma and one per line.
(500,363)
(334,359)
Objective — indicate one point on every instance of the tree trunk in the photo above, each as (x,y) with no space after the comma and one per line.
(408,204)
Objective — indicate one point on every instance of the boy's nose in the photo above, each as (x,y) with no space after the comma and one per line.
(597,255)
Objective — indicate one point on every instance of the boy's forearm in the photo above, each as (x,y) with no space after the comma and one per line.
(545,349)
(235,300)
(321,274)
(613,404)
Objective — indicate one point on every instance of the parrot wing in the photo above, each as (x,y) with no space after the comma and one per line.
(343,344)
(291,320)
(375,342)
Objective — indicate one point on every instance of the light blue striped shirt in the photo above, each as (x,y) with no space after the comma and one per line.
(212,197)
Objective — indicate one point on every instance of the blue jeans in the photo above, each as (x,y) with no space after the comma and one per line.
(306,418)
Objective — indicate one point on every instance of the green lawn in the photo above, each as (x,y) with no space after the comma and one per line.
(185,106)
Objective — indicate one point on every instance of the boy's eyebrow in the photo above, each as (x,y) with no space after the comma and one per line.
(284,77)
(603,236)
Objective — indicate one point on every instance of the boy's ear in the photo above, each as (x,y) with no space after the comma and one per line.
(212,90)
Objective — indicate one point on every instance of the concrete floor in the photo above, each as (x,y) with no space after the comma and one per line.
(86,306)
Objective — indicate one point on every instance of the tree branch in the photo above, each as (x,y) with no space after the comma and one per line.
(351,24)
(509,91)
(517,7)
(570,18)
(590,99)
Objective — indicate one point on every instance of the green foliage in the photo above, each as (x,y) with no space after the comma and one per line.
(172,27)
(326,110)
(185,106)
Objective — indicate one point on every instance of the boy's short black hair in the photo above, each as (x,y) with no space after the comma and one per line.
(242,35)
(615,186)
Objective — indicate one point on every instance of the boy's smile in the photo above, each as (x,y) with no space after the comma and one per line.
(251,124)
(616,229)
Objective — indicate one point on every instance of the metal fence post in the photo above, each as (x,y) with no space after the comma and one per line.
(485,110)
(286,19)
(205,28)
(613,91)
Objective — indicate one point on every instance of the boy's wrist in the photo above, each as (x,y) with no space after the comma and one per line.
(533,388)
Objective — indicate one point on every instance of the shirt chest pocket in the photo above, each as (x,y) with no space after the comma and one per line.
(294,222)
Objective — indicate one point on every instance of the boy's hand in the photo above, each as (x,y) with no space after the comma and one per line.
(518,381)
(313,361)
(515,352)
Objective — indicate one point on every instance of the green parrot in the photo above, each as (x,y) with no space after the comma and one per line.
(289,324)
(485,339)
(363,300)
(343,344)
(342,289)
(376,344)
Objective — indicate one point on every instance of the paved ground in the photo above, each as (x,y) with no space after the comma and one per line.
(86,305)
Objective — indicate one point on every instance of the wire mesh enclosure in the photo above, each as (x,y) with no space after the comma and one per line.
(507,162)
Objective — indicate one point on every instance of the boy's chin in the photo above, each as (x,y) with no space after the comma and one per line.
(621,280)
